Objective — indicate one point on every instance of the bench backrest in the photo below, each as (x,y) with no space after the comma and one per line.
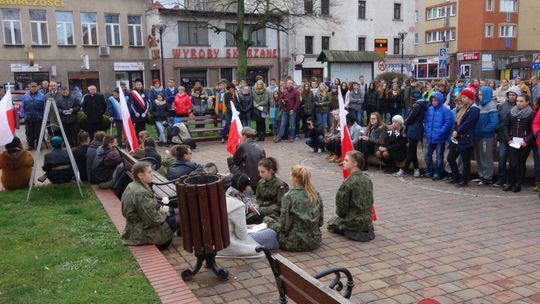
(301,287)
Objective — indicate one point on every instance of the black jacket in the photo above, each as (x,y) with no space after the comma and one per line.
(246,158)
(58,167)
(515,127)
(80,158)
(66,104)
(90,157)
(105,163)
(94,106)
(151,152)
(180,168)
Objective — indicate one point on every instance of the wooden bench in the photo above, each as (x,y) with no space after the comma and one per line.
(193,123)
(161,186)
(295,284)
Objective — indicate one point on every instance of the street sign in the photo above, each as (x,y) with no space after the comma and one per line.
(536,62)
(382,66)
(442,64)
(443,52)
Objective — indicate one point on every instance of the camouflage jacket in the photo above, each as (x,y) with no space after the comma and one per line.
(269,196)
(300,221)
(354,199)
(145,224)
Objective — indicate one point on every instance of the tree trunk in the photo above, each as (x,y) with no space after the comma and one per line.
(241,70)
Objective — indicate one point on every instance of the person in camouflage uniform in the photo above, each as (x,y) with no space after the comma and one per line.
(145,223)
(270,191)
(354,200)
(301,214)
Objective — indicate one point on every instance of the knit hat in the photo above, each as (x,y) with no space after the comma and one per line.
(56,142)
(14,145)
(469,93)
(240,181)
(398,118)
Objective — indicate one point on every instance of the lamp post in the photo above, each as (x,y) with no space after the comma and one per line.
(402,37)
(161,29)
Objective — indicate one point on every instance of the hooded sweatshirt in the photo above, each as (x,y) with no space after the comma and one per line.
(16,169)
(489,116)
(504,109)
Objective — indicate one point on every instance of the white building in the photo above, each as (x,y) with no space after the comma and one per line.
(348,25)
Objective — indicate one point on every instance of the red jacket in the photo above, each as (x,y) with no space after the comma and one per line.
(536,128)
(182,104)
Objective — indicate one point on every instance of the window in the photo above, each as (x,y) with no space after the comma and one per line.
(112,29)
(416,38)
(440,36)
(325,7)
(11,21)
(89,28)
(309,44)
(135,31)
(361,43)
(38,27)
(508,6)
(308,7)
(416,16)
(397,43)
(258,37)
(64,28)
(441,12)
(192,33)
(361,9)
(325,43)
(488,33)
(397,11)
(489,5)
(507,30)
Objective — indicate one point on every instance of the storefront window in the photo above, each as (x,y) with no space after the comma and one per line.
(226,73)
(254,72)
(22,80)
(308,74)
(426,70)
(129,77)
(188,78)
(79,82)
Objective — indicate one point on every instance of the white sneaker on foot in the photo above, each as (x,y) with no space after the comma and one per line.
(400,173)
(416,172)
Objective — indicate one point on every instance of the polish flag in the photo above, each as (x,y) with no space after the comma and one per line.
(346,142)
(7,119)
(235,131)
(127,124)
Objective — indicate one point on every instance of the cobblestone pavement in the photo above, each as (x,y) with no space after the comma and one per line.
(473,245)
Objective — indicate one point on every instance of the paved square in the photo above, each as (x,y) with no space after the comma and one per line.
(473,245)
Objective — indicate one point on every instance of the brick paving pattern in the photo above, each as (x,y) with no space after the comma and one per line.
(473,245)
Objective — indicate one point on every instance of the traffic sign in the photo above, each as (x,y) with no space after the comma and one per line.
(382,66)
(536,62)
(442,64)
(443,52)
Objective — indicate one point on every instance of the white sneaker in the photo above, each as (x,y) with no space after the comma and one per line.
(400,173)
(319,150)
(416,172)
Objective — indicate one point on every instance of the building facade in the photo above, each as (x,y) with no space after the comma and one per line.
(76,43)
(194,52)
(352,26)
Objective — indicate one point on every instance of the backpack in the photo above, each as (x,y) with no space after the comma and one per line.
(180,135)
(120,180)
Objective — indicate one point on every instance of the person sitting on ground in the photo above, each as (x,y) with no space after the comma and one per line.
(375,134)
(139,153)
(183,165)
(146,223)
(80,152)
(92,153)
(247,156)
(107,158)
(314,135)
(301,214)
(56,164)
(16,165)
(355,132)
(150,151)
(354,200)
(394,145)
(270,191)
(243,244)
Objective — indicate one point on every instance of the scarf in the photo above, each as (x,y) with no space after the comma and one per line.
(460,113)
(523,113)
(160,102)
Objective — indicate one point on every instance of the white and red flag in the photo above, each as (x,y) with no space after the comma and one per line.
(127,124)
(235,131)
(7,119)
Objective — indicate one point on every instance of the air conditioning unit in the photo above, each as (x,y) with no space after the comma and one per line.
(104,51)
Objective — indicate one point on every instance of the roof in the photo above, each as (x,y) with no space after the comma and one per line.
(348,56)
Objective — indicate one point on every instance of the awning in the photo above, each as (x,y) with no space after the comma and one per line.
(348,56)
(519,65)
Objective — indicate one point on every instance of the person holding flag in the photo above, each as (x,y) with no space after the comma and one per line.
(127,123)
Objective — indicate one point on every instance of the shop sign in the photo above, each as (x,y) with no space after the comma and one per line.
(381,46)
(129,66)
(468,56)
(46,3)
(23,67)
(209,53)
(487,62)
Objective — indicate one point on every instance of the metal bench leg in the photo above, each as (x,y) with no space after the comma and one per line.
(221,273)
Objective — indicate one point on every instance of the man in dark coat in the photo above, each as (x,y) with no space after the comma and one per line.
(56,164)
(94,106)
(68,107)
(247,156)
(91,154)
(139,107)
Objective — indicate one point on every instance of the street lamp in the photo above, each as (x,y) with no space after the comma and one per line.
(402,37)
(161,29)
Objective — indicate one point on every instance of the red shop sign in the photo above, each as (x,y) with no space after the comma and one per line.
(203,53)
(468,56)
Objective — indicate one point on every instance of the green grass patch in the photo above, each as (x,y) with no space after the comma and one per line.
(61,248)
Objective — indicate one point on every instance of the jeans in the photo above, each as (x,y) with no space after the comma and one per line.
(428,153)
(359,116)
(246,122)
(322,118)
(161,131)
(503,156)
(286,116)
(226,125)
(315,143)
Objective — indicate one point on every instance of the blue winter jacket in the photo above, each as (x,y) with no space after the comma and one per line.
(438,122)
(33,106)
(489,117)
